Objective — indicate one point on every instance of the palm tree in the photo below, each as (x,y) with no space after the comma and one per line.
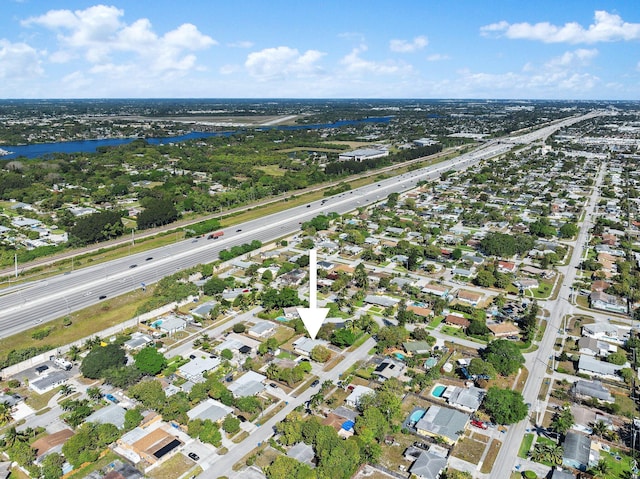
(13,435)
(5,413)
(599,428)
(66,390)
(601,470)
(94,393)
(74,352)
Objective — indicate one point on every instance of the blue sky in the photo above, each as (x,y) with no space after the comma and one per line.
(544,49)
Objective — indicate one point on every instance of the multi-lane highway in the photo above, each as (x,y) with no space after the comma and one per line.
(24,305)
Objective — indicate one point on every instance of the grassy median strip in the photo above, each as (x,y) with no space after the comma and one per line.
(84,323)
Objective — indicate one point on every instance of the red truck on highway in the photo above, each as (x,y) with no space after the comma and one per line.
(216,235)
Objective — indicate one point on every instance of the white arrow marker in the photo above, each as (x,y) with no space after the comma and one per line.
(313,317)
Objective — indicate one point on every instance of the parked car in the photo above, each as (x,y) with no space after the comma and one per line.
(193,456)
(480,424)
(315,383)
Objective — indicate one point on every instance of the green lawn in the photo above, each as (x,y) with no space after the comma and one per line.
(459,333)
(619,463)
(525,446)
(435,322)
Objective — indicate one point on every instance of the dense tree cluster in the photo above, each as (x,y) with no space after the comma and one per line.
(503,355)
(88,442)
(96,227)
(157,213)
(504,405)
(239,250)
(506,245)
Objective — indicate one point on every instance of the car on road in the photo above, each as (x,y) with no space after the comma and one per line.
(315,383)
(193,456)
(238,230)
(102,296)
(133,266)
(480,424)
(149,258)
(308,206)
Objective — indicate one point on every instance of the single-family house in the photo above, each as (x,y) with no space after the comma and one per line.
(111,414)
(578,452)
(428,465)
(150,445)
(606,332)
(209,409)
(389,368)
(353,399)
(249,384)
(51,443)
(262,329)
(138,341)
(380,300)
(170,324)
(591,389)
(303,453)
(444,422)
(469,297)
(457,321)
(507,267)
(607,302)
(194,369)
(416,347)
(468,399)
(439,290)
(304,345)
(591,366)
(503,330)
(595,347)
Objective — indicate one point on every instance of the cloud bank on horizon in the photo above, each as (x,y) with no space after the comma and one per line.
(283,50)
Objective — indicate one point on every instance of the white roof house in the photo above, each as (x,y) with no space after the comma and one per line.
(194,369)
(209,409)
(354,398)
(262,329)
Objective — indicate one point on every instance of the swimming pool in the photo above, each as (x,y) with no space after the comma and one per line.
(281,318)
(156,324)
(400,356)
(438,391)
(416,415)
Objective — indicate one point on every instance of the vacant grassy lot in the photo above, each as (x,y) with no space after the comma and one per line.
(469,449)
(173,467)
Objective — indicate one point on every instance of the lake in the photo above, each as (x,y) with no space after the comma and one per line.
(40,150)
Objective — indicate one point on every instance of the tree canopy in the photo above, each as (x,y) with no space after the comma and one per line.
(503,355)
(102,358)
(504,405)
(150,361)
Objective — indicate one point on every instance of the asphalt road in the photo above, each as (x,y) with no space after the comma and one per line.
(25,305)
(559,308)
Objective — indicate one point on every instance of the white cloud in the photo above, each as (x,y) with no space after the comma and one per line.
(576,58)
(607,27)
(404,46)
(436,57)
(283,61)
(240,44)
(18,60)
(355,64)
(99,35)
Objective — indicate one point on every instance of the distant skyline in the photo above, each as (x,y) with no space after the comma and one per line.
(503,49)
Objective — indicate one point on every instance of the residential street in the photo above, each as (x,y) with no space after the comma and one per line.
(265,431)
(537,362)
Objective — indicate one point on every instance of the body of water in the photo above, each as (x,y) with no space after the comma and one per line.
(42,150)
